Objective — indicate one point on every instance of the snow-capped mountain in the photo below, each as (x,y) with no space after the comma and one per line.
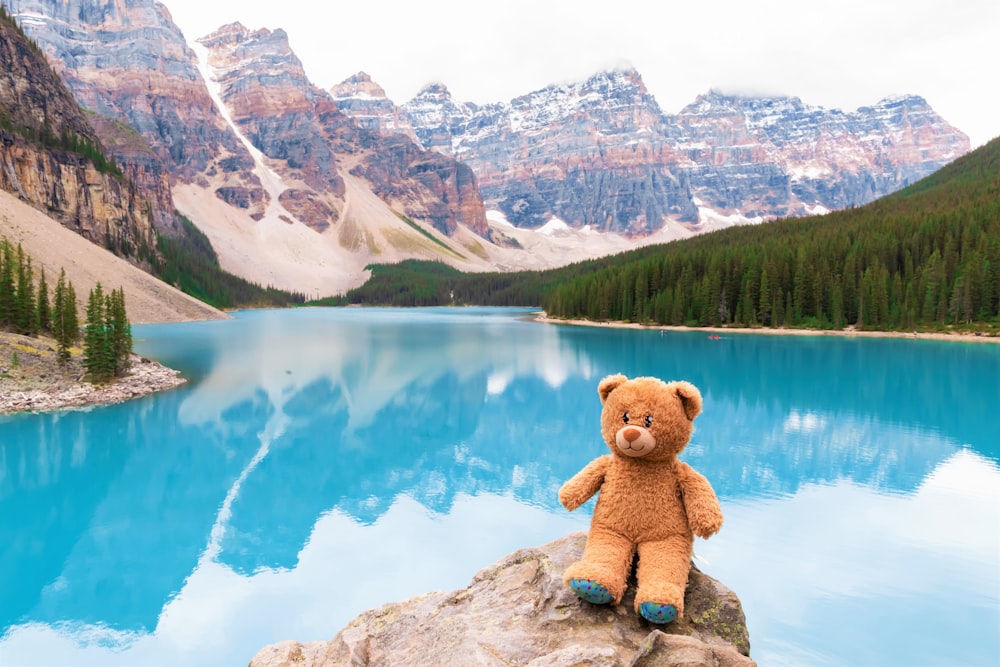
(302,188)
(601,153)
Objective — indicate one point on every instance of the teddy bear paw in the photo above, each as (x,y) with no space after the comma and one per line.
(654,612)
(591,591)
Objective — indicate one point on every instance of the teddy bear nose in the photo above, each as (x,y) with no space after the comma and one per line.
(631,434)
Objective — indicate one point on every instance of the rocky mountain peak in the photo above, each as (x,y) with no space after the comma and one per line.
(435,90)
(230,33)
(602,93)
(361,84)
(613,81)
(130,62)
(365,101)
(264,51)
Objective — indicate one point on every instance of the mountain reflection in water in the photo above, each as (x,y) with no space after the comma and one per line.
(321,462)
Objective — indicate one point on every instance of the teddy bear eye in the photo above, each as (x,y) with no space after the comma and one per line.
(625,418)
(649,420)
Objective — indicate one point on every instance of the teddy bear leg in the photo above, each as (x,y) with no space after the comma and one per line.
(662,576)
(599,577)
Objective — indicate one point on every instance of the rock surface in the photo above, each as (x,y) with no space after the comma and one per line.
(35,104)
(602,153)
(518,612)
(289,119)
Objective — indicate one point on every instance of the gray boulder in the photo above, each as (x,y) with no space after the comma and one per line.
(518,612)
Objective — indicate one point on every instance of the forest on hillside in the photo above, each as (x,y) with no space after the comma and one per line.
(926,257)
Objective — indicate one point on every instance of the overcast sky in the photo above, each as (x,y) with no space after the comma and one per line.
(832,53)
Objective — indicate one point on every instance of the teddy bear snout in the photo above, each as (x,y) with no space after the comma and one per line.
(634,441)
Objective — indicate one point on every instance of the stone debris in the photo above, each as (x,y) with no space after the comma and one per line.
(144,377)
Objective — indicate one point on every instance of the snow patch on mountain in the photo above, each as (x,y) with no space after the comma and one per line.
(554,227)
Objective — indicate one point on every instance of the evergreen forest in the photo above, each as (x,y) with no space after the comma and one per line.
(924,258)
(29,310)
(32,310)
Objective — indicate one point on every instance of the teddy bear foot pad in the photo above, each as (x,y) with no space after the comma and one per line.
(654,612)
(591,591)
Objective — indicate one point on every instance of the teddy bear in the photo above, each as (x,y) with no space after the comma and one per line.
(649,501)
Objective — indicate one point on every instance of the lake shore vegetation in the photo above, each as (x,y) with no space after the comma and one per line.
(925,259)
(41,367)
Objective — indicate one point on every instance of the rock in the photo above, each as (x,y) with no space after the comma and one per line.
(290,119)
(42,161)
(602,153)
(518,612)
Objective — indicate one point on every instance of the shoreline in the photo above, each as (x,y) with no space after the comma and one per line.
(768,331)
(145,377)
(37,382)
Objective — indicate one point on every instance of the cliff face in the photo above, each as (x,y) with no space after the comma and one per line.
(601,153)
(289,119)
(48,151)
(129,62)
(244,145)
(795,157)
(141,165)
(270,100)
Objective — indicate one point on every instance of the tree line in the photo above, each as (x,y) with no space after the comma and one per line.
(29,310)
(923,258)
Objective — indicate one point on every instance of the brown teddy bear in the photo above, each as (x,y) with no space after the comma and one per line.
(649,501)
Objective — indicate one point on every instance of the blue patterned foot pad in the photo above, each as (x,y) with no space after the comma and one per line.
(654,612)
(591,591)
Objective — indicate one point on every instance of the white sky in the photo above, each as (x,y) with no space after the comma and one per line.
(836,54)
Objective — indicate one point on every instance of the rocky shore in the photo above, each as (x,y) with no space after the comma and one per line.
(518,612)
(33,380)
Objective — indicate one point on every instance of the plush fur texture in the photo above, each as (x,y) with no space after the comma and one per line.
(649,501)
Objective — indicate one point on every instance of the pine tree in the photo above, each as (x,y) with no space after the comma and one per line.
(44,308)
(59,317)
(96,347)
(7,301)
(765,299)
(25,317)
(70,316)
(119,331)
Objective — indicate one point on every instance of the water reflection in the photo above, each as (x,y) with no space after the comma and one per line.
(321,462)
(843,575)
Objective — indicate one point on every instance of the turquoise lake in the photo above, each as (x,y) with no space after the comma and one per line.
(321,462)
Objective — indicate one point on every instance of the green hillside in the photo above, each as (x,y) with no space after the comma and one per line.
(927,257)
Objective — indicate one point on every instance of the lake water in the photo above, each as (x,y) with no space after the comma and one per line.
(324,461)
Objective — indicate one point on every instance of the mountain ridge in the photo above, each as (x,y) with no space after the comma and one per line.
(565,172)
(429,189)
(921,259)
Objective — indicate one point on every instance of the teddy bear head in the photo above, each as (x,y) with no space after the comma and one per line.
(647,418)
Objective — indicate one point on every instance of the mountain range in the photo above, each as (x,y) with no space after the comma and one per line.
(302,188)
(602,153)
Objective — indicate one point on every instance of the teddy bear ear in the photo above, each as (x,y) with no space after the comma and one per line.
(609,384)
(690,398)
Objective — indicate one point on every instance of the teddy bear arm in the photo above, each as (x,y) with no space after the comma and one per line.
(700,502)
(584,484)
